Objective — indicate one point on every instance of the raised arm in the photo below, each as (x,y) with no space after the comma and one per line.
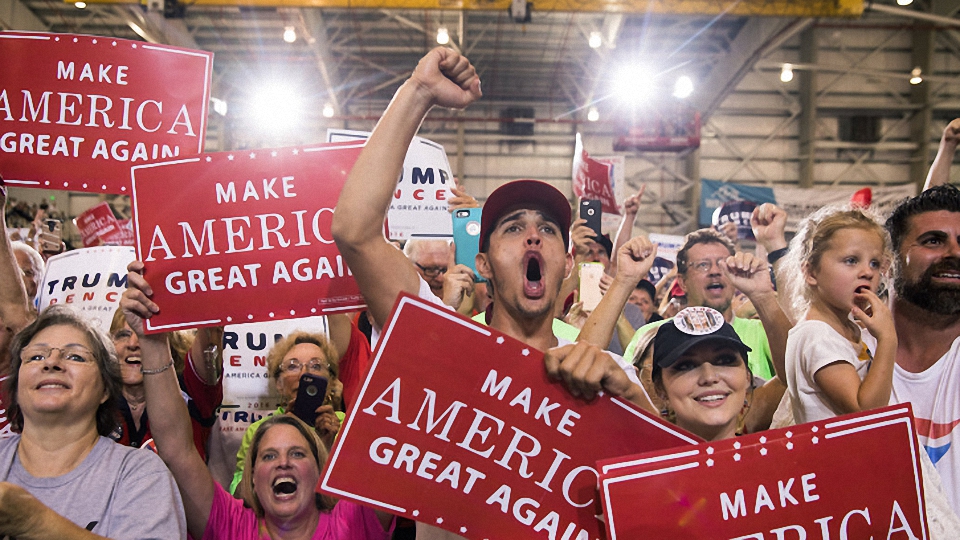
(634,261)
(444,78)
(631,207)
(939,173)
(16,311)
(751,275)
(169,418)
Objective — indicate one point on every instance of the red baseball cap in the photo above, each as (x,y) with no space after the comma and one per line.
(525,194)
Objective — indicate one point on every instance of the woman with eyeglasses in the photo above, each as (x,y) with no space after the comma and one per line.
(291,357)
(60,476)
(283,465)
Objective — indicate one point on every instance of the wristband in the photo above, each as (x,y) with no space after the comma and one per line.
(156,371)
(776,255)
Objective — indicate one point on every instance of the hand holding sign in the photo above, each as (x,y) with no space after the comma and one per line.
(587,370)
(136,303)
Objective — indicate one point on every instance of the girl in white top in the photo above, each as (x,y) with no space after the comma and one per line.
(840,354)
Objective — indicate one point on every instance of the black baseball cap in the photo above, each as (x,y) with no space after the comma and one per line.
(690,327)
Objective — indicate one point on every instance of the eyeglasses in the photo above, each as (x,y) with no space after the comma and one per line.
(313,366)
(39,353)
(432,271)
(705,265)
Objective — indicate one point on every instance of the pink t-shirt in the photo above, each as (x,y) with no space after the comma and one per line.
(229,520)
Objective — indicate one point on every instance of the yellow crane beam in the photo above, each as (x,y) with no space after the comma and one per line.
(776,8)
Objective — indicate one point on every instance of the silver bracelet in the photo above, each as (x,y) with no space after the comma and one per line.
(156,371)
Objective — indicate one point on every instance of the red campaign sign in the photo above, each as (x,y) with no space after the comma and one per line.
(591,179)
(462,429)
(854,476)
(98,226)
(237,237)
(77,111)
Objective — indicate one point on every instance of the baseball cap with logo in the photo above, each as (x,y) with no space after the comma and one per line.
(690,327)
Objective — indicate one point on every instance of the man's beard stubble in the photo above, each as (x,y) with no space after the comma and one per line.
(936,298)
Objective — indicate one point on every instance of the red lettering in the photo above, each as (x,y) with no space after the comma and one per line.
(87,296)
(260,361)
(112,296)
(235,360)
(69,299)
(418,194)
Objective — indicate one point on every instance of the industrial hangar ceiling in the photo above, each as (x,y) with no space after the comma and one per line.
(353,58)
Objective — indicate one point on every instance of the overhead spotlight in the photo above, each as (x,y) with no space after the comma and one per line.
(289,34)
(80,5)
(593,114)
(276,107)
(328,110)
(634,85)
(443,36)
(596,40)
(916,75)
(904,2)
(786,74)
(683,87)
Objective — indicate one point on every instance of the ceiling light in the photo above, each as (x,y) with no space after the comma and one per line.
(443,36)
(328,111)
(683,87)
(904,2)
(276,107)
(916,76)
(786,74)
(80,5)
(596,40)
(289,34)
(219,106)
(633,85)
(593,114)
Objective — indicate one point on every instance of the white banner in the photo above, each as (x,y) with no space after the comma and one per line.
(419,205)
(90,279)
(800,202)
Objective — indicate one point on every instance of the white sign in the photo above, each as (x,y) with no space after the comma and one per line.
(667,245)
(419,205)
(90,279)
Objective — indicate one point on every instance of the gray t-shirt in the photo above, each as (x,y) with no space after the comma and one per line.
(117,491)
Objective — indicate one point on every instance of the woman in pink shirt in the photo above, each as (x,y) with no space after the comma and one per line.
(280,477)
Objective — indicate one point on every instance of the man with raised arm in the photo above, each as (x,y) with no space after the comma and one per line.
(523,238)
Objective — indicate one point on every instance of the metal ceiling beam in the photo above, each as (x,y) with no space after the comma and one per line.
(756,39)
(154,28)
(320,47)
(774,8)
(16,16)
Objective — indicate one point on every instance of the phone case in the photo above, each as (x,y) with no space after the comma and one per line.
(466,237)
(590,274)
(592,211)
(310,395)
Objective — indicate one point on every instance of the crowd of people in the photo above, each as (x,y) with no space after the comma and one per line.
(855,312)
